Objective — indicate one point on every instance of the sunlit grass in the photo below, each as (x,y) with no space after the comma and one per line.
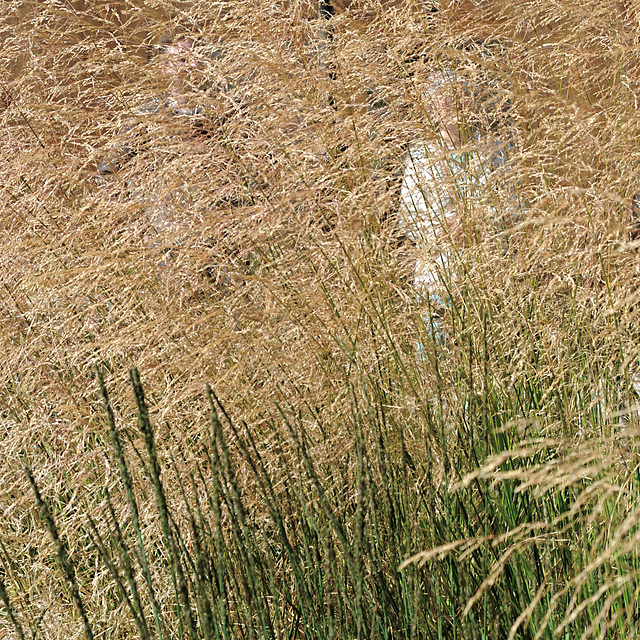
(348,476)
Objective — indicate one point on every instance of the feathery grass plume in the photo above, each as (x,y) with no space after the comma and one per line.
(218,192)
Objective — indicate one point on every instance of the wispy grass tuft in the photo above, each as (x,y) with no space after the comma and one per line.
(210,194)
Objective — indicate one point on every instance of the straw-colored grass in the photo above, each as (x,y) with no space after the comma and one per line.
(348,476)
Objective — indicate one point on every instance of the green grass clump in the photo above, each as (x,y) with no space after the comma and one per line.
(262,540)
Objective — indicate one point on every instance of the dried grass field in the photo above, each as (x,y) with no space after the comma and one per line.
(247,391)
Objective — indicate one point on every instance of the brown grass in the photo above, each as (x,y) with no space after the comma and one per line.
(264,257)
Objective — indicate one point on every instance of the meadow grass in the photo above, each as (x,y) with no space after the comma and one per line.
(224,411)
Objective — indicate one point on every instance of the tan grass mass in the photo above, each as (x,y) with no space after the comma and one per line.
(211,192)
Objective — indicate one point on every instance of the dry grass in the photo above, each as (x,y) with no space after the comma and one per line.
(257,247)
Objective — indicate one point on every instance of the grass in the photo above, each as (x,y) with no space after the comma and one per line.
(344,475)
